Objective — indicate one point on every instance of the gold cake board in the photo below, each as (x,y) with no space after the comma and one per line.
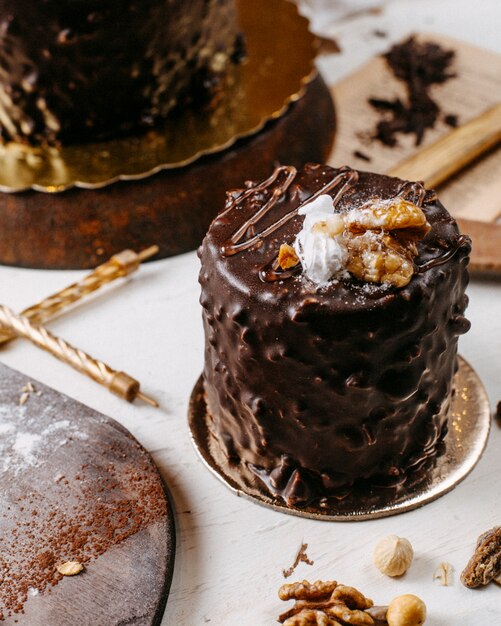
(469,425)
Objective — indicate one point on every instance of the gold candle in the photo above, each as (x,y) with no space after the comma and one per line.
(118,266)
(119,383)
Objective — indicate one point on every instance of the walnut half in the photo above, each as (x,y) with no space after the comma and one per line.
(325,604)
(388,215)
(380,239)
(379,258)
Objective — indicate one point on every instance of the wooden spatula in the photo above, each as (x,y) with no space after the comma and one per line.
(447,156)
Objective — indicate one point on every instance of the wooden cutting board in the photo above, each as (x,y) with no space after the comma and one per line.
(474,194)
(76,486)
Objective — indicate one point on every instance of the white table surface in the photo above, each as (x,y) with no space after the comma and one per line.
(231,552)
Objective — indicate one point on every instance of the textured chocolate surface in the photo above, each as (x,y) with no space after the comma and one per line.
(312,389)
(73,70)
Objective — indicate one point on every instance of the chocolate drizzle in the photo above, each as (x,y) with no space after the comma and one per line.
(462,241)
(234,244)
(413,192)
(345,178)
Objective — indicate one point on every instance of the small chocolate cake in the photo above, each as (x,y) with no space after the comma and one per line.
(74,70)
(332,302)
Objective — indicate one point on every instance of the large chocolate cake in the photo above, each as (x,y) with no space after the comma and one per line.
(331,340)
(74,70)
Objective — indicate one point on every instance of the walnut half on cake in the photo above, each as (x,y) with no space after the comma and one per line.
(331,361)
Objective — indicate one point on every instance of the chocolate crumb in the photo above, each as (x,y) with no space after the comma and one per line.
(300,556)
(360,155)
(419,65)
(328,45)
(497,414)
(451,120)
(379,33)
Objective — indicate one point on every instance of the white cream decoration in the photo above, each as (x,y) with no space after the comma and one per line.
(319,244)
(360,242)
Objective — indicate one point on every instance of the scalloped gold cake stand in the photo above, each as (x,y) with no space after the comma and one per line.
(71,207)
(469,424)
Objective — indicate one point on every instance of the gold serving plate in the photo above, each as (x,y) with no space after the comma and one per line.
(469,425)
(279,65)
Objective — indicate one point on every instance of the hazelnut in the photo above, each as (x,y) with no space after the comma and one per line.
(393,555)
(406,610)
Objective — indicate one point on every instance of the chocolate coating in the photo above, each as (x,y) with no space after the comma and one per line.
(315,389)
(73,70)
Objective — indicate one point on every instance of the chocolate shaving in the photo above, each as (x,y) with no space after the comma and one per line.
(328,45)
(300,556)
(419,66)
(497,414)
(361,155)
(451,120)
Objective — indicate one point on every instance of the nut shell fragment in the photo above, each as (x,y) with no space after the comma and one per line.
(70,568)
(287,257)
(443,574)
